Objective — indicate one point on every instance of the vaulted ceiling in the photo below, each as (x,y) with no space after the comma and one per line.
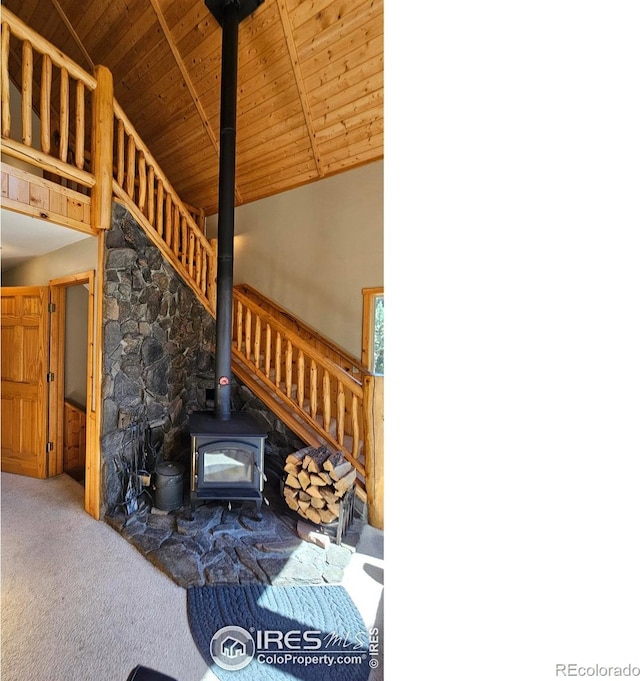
(310,84)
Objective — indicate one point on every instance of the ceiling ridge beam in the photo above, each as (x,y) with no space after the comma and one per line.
(190,86)
(74,35)
(297,71)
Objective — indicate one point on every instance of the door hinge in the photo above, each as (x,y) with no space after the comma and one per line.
(51,377)
(49,447)
(52,307)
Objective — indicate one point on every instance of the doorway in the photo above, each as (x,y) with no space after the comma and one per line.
(75,381)
(72,362)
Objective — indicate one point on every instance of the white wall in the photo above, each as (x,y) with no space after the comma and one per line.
(313,249)
(77,257)
(76,344)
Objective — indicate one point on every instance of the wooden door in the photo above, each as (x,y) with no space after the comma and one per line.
(24,325)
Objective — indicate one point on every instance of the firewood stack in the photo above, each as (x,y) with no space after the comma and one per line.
(316,480)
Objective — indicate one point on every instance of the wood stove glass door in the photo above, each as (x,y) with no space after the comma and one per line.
(225,463)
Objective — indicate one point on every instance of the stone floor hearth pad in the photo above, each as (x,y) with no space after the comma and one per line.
(229,546)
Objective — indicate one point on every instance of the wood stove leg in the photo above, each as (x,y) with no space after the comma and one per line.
(258,515)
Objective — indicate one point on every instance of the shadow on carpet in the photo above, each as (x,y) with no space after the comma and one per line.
(279,633)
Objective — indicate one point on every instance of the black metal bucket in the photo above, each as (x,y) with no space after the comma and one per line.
(168,486)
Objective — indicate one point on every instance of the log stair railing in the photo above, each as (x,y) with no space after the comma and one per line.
(323,394)
(140,184)
(320,391)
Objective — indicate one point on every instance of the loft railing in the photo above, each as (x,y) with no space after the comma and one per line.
(86,139)
(59,91)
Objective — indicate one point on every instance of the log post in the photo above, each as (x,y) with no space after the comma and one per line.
(374,448)
(102,149)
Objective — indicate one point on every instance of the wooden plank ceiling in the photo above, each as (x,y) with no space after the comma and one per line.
(310,84)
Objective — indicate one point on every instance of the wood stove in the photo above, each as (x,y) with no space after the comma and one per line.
(227,448)
(227,459)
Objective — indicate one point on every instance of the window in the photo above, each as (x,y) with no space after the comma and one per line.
(373,329)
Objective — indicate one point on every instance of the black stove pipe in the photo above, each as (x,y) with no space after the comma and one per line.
(229,14)
(226,197)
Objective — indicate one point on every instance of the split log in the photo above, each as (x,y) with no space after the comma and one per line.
(292,481)
(297,457)
(337,466)
(314,459)
(345,482)
(303,479)
(316,481)
(313,515)
(334,460)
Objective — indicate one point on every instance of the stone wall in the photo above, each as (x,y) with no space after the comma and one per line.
(158,361)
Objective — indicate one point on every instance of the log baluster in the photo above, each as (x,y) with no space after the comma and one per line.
(201,265)
(191,257)
(80,124)
(151,191)
(168,212)
(256,342)
(160,213)
(120,154)
(142,187)
(45,104)
(239,326)
(313,389)
(177,225)
(131,166)
(247,334)
(64,114)
(326,399)
(27,93)
(184,247)
(267,351)
(278,359)
(340,411)
(301,376)
(355,425)
(288,369)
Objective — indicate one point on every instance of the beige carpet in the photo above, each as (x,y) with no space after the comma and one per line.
(78,601)
(81,603)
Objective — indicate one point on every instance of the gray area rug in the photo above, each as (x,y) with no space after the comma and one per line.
(279,633)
